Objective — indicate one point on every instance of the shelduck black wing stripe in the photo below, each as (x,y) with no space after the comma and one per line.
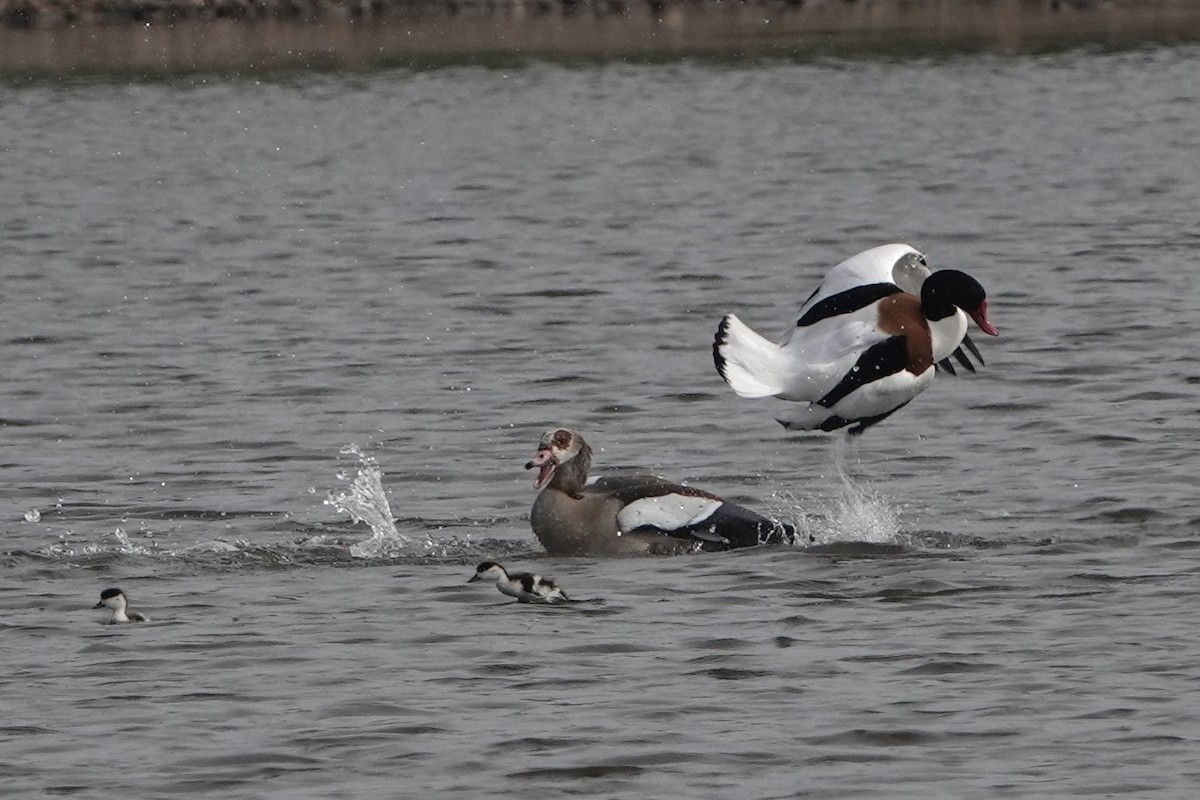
(967,343)
(961,357)
(847,302)
(867,422)
(886,358)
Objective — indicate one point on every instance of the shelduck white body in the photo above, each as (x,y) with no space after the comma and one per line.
(899,264)
(863,347)
(525,586)
(115,599)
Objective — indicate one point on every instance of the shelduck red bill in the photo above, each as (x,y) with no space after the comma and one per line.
(981,319)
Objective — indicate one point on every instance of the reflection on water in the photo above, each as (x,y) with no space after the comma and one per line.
(731,31)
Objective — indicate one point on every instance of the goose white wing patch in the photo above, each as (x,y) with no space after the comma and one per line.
(667,512)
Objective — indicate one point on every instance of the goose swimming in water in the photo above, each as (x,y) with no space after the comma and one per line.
(525,586)
(863,347)
(115,599)
(632,514)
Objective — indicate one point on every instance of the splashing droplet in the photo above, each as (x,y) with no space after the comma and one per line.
(365,501)
(856,513)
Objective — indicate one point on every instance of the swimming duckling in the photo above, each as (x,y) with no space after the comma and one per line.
(115,599)
(525,586)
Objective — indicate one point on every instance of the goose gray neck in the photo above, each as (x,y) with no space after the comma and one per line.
(571,475)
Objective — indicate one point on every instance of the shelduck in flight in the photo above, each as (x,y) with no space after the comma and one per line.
(865,345)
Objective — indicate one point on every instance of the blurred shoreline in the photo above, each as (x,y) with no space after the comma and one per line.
(169,36)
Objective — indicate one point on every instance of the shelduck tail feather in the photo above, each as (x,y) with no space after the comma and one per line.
(749,363)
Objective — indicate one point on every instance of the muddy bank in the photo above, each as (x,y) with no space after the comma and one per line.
(188,35)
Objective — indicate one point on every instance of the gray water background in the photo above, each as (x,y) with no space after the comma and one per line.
(212,286)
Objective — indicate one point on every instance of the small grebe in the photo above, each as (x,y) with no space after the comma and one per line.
(525,586)
(115,599)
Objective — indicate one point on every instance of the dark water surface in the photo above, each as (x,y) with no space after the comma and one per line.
(212,288)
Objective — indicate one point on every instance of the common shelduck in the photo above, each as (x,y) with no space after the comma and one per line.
(863,347)
(898,264)
(632,514)
(525,586)
(115,599)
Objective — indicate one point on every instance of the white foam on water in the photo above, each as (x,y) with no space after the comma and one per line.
(116,542)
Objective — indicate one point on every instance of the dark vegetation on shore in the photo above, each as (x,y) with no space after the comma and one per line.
(43,13)
(56,38)
(53,13)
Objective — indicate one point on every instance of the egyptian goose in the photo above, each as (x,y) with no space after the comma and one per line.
(863,347)
(632,514)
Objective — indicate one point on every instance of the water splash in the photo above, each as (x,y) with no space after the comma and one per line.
(365,501)
(857,512)
(861,514)
(120,544)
